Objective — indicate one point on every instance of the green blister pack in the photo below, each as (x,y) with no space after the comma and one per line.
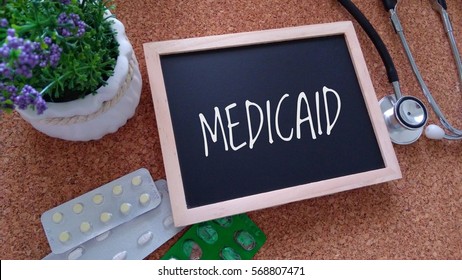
(230,238)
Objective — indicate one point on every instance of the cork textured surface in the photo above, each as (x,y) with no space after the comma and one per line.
(416,217)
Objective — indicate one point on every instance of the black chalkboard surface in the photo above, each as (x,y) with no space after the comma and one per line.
(257,119)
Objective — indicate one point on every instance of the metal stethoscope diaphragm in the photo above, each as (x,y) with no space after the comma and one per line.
(406,116)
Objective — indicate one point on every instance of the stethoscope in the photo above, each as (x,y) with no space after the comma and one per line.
(406,116)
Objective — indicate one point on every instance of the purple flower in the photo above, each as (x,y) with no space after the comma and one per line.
(40,105)
(24,71)
(71,25)
(3,22)
(25,98)
(4,51)
(30,55)
(12,90)
(5,71)
(30,97)
(65,2)
(55,55)
(50,55)
(10,32)
(21,101)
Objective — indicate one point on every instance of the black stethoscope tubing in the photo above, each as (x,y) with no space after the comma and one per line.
(375,38)
(412,116)
(408,114)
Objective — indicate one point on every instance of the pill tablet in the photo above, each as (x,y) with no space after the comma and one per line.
(117,190)
(125,208)
(229,253)
(144,199)
(245,239)
(85,227)
(75,254)
(105,217)
(103,236)
(138,237)
(145,238)
(57,217)
(77,208)
(230,238)
(100,210)
(207,233)
(136,181)
(224,222)
(120,256)
(98,199)
(64,236)
(192,250)
(168,221)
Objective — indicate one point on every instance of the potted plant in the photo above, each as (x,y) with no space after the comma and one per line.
(67,67)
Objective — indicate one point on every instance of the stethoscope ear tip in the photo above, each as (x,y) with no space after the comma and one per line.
(434,132)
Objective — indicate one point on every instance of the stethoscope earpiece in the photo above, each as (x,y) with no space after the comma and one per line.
(434,132)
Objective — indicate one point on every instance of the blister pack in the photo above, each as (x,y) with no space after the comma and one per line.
(231,238)
(100,210)
(133,240)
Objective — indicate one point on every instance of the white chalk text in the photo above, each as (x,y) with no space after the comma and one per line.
(303,116)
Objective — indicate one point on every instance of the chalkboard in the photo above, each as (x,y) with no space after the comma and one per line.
(258,119)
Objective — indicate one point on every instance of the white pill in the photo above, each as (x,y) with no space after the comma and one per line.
(64,236)
(57,217)
(105,217)
(144,199)
(103,236)
(78,208)
(168,221)
(98,199)
(117,190)
(85,227)
(145,238)
(75,254)
(120,256)
(136,181)
(125,208)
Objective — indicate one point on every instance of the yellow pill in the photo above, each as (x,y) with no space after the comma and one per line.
(105,217)
(117,190)
(57,217)
(98,199)
(136,181)
(85,227)
(78,208)
(144,199)
(125,208)
(64,236)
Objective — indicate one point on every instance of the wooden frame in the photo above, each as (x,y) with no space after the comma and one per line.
(184,215)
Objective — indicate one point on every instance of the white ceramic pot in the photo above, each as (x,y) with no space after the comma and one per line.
(96,115)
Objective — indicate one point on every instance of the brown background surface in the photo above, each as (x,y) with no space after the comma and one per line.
(416,217)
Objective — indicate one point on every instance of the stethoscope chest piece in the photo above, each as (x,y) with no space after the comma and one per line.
(405,118)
